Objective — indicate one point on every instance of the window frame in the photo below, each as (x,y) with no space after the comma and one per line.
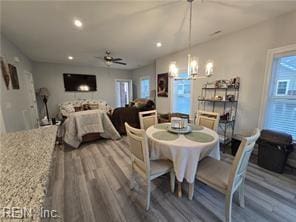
(191,111)
(268,83)
(130,82)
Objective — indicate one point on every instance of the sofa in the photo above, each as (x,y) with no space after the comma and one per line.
(130,114)
(69,107)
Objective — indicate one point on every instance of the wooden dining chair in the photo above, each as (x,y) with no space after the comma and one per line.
(147,119)
(228,178)
(208,119)
(148,169)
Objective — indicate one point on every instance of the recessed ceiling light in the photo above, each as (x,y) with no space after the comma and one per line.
(70,57)
(158,44)
(78,23)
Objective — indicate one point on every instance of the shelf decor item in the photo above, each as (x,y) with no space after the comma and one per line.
(234,83)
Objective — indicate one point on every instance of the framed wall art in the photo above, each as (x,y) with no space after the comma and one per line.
(162,85)
(5,72)
(13,76)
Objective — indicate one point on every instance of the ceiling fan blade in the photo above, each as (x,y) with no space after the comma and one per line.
(116,59)
(97,57)
(121,63)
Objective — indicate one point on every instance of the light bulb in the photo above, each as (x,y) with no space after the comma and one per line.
(209,69)
(158,44)
(108,63)
(173,70)
(194,66)
(78,23)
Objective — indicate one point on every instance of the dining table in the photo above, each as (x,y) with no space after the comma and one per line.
(185,150)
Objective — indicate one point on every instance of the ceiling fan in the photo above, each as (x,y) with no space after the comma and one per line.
(110,60)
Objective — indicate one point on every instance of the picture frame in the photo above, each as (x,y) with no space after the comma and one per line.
(5,72)
(163,85)
(14,77)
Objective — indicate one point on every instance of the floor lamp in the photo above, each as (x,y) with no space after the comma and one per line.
(44,93)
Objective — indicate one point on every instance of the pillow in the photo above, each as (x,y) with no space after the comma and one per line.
(78,108)
(69,108)
(94,106)
(86,107)
(139,105)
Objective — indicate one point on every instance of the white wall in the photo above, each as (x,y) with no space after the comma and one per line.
(240,54)
(137,74)
(2,123)
(50,75)
(14,101)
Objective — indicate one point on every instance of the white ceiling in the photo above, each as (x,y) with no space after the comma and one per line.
(44,30)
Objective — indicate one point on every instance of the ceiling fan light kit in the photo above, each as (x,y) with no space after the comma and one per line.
(109,60)
(192,62)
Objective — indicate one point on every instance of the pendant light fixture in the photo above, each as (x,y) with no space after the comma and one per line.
(192,62)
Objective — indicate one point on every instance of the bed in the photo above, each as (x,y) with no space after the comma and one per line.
(87,125)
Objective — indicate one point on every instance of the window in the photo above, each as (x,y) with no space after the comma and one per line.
(182,95)
(281,104)
(145,88)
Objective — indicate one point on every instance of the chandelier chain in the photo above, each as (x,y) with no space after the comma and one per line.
(192,63)
(190,24)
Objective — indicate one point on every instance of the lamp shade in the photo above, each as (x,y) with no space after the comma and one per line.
(43,92)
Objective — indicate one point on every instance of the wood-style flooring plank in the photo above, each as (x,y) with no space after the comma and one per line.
(92,184)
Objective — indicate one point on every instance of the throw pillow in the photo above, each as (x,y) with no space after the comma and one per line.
(78,108)
(69,108)
(94,106)
(86,107)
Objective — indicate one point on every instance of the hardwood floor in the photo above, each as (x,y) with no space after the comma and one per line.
(92,184)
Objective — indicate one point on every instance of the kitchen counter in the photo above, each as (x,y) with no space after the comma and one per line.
(25,164)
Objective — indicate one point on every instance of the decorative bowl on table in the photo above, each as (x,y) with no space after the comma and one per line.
(179,125)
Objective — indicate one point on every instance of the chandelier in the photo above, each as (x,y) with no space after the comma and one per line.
(192,62)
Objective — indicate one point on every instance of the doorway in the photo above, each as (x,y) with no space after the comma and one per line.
(30,114)
(124,92)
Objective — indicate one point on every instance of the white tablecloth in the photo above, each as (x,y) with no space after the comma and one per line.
(184,153)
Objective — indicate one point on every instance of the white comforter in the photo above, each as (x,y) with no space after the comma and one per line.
(79,124)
